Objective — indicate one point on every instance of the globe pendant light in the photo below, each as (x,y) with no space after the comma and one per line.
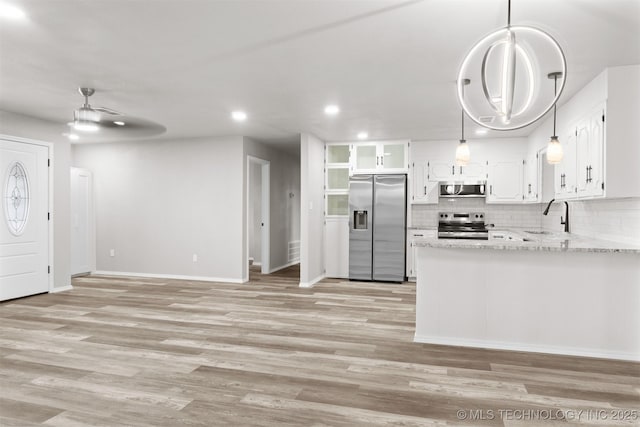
(462,150)
(507,68)
(554,148)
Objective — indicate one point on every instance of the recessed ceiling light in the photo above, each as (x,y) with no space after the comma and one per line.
(11,12)
(481,131)
(239,116)
(119,123)
(363,135)
(331,110)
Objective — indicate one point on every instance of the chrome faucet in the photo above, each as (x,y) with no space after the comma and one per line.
(565,221)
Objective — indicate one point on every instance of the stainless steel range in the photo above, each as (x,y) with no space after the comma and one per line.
(452,225)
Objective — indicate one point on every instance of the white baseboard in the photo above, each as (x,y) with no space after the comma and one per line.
(257,264)
(311,283)
(167,276)
(289,264)
(61,289)
(532,348)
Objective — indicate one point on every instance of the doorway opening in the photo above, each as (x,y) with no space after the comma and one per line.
(258,218)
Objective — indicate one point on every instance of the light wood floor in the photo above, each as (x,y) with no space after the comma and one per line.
(151,352)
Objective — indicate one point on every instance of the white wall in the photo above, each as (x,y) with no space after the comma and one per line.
(481,149)
(28,127)
(623,131)
(158,203)
(255,212)
(284,210)
(312,210)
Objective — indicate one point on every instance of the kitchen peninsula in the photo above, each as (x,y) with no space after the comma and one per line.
(558,294)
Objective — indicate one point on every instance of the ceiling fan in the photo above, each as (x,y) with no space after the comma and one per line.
(101,123)
(90,119)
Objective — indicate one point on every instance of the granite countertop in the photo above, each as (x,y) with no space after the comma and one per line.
(551,242)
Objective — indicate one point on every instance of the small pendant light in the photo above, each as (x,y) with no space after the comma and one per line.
(554,148)
(462,151)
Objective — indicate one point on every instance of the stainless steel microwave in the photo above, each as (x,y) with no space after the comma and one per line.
(453,189)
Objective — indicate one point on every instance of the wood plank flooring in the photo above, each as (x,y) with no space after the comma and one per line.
(149,352)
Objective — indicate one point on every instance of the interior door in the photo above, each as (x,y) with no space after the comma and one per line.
(24,234)
(81,229)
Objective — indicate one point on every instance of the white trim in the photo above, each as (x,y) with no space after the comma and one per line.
(311,283)
(265,240)
(61,289)
(499,345)
(50,196)
(289,264)
(257,264)
(167,276)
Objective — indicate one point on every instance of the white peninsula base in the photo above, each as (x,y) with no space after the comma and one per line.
(575,303)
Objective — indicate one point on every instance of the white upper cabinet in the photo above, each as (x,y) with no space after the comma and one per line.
(580,173)
(591,162)
(423,190)
(505,181)
(440,170)
(531,181)
(380,157)
(565,171)
(336,178)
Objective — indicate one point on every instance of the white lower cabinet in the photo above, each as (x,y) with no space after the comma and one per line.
(336,248)
(412,235)
(505,181)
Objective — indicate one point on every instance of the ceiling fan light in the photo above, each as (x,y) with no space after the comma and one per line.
(554,151)
(85,126)
(87,114)
(462,153)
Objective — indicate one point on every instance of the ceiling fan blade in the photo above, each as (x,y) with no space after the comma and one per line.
(107,111)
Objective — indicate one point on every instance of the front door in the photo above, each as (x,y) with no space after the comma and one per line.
(24,231)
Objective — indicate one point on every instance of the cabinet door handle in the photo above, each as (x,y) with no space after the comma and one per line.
(491,189)
(453,170)
(381,160)
(529,188)
(460,170)
(425,190)
(587,174)
(377,160)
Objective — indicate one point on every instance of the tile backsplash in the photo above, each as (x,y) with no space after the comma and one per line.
(525,215)
(608,219)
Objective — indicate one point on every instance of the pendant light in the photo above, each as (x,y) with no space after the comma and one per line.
(554,148)
(462,151)
(506,69)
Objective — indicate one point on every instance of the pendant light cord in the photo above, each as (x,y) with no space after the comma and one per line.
(509,14)
(462,113)
(555,93)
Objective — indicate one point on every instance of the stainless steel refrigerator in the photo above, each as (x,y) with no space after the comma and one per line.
(377,227)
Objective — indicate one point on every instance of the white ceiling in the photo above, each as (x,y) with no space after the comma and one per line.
(186,64)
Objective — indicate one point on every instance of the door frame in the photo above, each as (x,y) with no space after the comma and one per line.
(265,241)
(91,229)
(50,196)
